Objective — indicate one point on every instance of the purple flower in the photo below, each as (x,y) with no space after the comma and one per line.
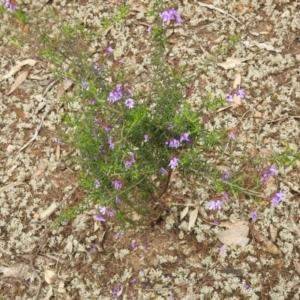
(253,215)
(173,163)
(129,103)
(117,184)
(232,135)
(226,175)
(241,93)
(146,138)
(60,142)
(226,196)
(109,50)
(116,94)
(116,291)
(149,30)
(111,144)
(131,294)
(9,6)
(133,280)
(215,204)
(85,84)
(272,170)
(229,98)
(99,218)
(185,137)
(93,101)
(128,163)
(169,15)
(111,212)
(97,183)
(133,246)
(163,171)
(170,126)
(118,200)
(102,210)
(222,248)
(129,92)
(246,286)
(173,143)
(277,198)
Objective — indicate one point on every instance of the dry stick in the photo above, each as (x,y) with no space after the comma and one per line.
(219,10)
(37,129)
(39,279)
(58,205)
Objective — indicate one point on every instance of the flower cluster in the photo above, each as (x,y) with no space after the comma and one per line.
(215,204)
(174,143)
(101,212)
(271,171)
(9,6)
(277,198)
(239,92)
(116,291)
(118,94)
(170,15)
(130,161)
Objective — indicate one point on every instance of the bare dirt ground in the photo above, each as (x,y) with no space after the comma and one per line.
(163,260)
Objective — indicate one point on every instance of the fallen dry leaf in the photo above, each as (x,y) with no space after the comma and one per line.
(231,63)
(286,14)
(50,276)
(297,266)
(291,225)
(40,170)
(193,218)
(273,232)
(184,213)
(49,294)
(18,67)
(268,245)
(61,288)
(240,7)
(18,82)
(236,235)
(18,270)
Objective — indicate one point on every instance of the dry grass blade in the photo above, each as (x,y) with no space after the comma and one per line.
(193,218)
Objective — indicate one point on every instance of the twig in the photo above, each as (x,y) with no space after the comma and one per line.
(219,10)
(58,205)
(37,129)
(39,279)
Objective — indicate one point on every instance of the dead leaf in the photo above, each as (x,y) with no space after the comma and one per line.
(240,7)
(297,266)
(286,14)
(257,114)
(231,63)
(273,232)
(18,82)
(50,276)
(291,225)
(237,81)
(236,236)
(268,245)
(193,218)
(249,44)
(49,294)
(10,148)
(57,152)
(18,67)
(279,262)
(18,270)
(40,170)
(61,288)
(184,213)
